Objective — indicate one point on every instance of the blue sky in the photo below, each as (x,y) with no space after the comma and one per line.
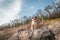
(13,9)
(30,7)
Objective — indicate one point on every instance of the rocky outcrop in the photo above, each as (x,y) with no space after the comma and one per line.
(55,27)
(38,34)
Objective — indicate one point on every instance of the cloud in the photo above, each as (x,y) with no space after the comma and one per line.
(10,10)
(2,1)
(32,7)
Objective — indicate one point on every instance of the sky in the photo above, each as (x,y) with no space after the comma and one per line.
(30,7)
(13,9)
(9,10)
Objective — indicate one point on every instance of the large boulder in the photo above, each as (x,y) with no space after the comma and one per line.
(47,35)
(55,27)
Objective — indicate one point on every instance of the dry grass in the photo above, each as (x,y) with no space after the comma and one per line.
(51,20)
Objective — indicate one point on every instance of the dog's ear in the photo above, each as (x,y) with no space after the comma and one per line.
(35,17)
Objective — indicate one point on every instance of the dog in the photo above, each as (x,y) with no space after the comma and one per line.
(34,23)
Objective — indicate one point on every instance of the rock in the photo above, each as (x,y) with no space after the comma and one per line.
(47,35)
(38,34)
(55,27)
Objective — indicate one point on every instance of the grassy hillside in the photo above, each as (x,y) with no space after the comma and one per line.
(8,32)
